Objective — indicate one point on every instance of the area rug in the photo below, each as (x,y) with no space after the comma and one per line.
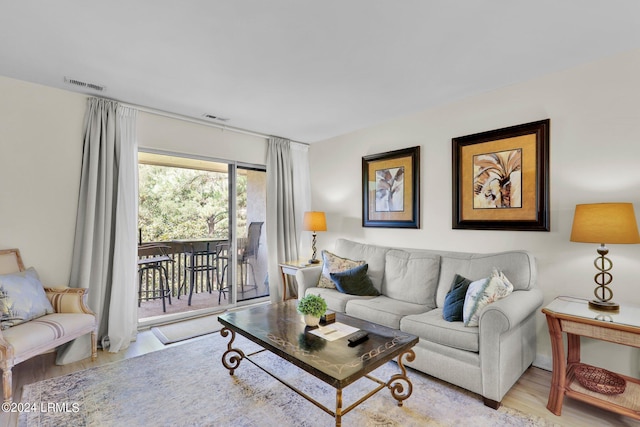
(187,385)
(187,329)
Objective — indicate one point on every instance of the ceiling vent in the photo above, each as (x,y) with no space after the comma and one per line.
(212,117)
(80,83)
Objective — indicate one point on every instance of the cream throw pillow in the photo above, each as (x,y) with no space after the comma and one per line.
(482,293)
(332,263)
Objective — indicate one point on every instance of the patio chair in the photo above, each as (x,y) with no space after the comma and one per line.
(247,250)
(152,260)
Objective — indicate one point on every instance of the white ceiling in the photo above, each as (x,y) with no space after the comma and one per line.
(303,69)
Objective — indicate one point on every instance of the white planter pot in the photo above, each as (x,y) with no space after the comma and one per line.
(310,320)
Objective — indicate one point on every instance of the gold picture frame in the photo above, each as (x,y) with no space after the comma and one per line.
(391,189)
(501,179)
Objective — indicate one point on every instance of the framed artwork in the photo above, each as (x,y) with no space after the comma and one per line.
(501,179)
(391,189)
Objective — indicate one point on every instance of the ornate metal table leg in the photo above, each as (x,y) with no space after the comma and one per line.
(395,383)
(232,357)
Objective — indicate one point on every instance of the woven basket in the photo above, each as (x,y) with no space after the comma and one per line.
(599,380)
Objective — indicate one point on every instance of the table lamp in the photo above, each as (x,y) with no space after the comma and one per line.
(604,223)
(314,221)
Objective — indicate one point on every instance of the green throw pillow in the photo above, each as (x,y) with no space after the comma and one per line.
(354,281)
(454,301)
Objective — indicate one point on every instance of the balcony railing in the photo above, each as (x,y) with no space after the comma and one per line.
(185,262)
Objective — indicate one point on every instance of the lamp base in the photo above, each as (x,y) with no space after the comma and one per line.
(604,305)
(314,261)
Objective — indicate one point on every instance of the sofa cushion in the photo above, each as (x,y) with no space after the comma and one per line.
(22,298)
(382,310)
(354,282)
(372,254)
(482,293)
(411,277)
(431,326)
(454,302)
(336,300)
(332,263)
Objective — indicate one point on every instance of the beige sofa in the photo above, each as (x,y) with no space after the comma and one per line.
(486,359)
(71,319)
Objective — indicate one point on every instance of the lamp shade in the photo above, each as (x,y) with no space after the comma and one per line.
(314,221)
(605,223)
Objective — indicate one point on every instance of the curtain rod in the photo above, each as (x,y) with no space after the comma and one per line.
(199,121)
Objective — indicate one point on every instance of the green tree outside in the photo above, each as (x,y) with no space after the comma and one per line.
(179,203)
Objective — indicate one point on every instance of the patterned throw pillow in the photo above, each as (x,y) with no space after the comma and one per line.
(334,264)
(482,293)
(22,298)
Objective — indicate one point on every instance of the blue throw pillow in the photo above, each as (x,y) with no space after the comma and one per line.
(354,281)
(22,298)
(454,301)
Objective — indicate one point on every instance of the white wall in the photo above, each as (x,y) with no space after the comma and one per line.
(595,154)
(40,160)
(41,132)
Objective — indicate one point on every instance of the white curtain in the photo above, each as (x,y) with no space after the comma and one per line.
(123,313)
(301,195)
(105,246)
(288,196)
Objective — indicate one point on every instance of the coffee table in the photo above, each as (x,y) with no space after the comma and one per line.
(278,328)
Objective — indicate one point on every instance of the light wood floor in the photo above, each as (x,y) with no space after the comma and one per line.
(529,394)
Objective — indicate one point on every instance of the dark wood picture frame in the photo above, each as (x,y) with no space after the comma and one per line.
(501,179)
(391,189)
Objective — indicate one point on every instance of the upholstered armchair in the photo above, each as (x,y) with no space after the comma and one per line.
(21,337)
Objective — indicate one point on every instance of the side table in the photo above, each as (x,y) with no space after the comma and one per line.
(289,268)
(573,317)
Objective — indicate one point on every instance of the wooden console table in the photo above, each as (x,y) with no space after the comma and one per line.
(573,317)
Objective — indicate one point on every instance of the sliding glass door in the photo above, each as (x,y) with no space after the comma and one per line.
(251,207)
(208,217)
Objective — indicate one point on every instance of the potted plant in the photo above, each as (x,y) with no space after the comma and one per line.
(312,307)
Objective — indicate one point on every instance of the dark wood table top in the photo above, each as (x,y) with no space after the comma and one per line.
(280,329)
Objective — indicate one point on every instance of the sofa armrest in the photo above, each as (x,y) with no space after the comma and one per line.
(68,300)
(507,341)
(505,314)
(308,277)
